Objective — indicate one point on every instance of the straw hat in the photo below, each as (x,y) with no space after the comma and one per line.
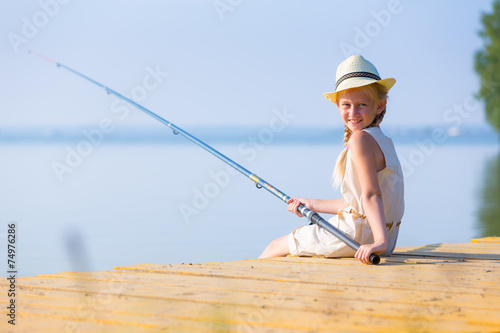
(355,72)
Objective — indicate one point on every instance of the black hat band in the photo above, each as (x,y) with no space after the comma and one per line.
(357,74)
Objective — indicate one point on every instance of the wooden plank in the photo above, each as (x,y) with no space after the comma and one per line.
(472,251)
(294,300)
(486,240)
(219,282)
(276,270)
(480,247)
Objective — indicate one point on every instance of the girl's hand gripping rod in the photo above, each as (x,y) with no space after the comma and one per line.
(311,215)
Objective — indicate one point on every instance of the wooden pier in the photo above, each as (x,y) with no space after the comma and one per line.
(435,288)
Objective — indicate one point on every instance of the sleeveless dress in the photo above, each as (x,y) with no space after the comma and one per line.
(313,240)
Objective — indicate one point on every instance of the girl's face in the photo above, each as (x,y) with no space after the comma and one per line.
(358,109)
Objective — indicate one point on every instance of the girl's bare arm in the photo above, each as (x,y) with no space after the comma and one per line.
(363,149)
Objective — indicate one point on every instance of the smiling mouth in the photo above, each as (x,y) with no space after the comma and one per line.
(355,121)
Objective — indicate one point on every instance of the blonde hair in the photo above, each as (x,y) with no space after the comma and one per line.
(377,93)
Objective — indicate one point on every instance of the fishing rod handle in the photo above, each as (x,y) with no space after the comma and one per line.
(317,219)
(374,259)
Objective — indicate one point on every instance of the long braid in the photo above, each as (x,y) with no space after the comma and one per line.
(347,135)
(338,173)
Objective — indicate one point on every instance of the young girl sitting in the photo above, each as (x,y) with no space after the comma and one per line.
(368,171)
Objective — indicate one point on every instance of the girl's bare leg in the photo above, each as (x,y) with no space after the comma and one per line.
(277,248)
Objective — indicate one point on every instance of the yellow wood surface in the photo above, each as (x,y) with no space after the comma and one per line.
(431,288)
(486,240)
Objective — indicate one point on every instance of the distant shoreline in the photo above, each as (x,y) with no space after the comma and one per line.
(479,134)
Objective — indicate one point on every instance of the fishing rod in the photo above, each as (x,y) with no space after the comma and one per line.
(312,216)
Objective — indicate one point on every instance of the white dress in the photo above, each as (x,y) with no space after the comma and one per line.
(313,240)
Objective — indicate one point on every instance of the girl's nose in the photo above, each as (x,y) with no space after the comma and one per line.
(354,111)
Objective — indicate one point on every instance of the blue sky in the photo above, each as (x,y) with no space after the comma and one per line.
(233,62)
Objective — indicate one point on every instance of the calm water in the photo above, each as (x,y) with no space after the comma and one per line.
(127,204)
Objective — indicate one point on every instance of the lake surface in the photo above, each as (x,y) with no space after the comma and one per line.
(124,203)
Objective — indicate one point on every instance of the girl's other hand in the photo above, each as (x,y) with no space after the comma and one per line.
(294,203)
(364,251)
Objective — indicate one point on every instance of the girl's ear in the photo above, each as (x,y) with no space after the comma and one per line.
(381,106)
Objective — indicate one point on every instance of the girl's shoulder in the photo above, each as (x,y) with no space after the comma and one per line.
(371,135)
(362,141)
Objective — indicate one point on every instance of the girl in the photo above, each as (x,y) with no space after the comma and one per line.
(368,171)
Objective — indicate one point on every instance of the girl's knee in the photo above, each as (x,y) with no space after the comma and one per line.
(280,245)
(277,248)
